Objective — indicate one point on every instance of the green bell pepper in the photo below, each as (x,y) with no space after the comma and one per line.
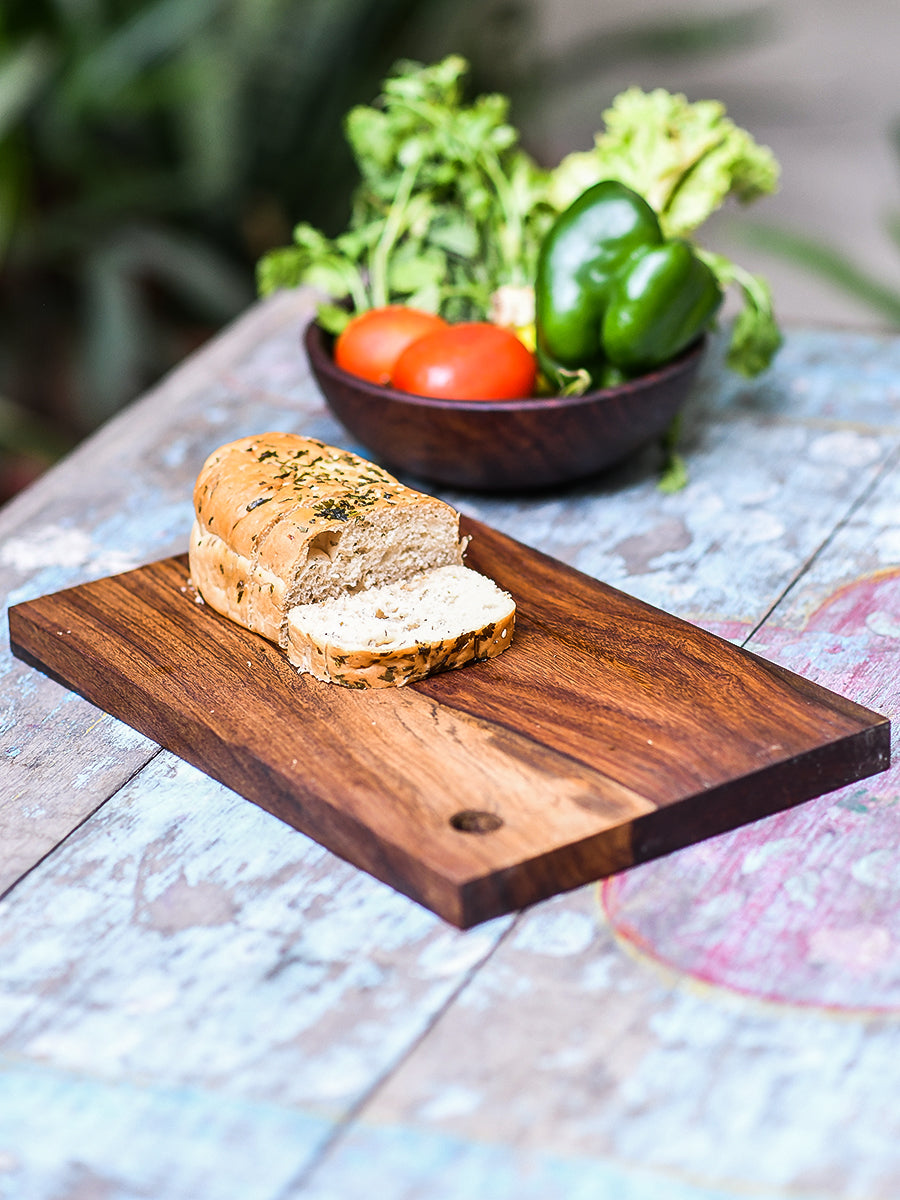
(610,289)
(578,262)
(660,302)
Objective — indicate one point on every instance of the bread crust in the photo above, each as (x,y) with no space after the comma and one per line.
(394,668)
(269,506)
(228,583)
(249,488)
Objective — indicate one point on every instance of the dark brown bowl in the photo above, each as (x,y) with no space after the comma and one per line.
(503,445)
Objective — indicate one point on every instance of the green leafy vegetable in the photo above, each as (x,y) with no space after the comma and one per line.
(673,476)
(686,159)
(450,210)
(755,336)
(449,207)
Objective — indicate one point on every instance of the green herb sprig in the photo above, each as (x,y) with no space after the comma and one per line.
(449,207)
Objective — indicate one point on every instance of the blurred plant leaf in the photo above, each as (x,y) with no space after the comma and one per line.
(658,37)
(828,263)
(10,192)
(128,51)
(212,154)
(193,268)
(114,336)
(22,432)
(23,72)
(118,333)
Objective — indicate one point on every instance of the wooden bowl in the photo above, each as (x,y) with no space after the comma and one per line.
(503,445)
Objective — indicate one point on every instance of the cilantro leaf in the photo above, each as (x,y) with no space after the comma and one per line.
(673,476)
(448,207)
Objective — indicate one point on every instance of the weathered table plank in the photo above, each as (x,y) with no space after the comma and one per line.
(197,1001)
(614,1077)
(195,983)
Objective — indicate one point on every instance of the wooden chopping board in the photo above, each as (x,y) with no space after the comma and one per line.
(609,733)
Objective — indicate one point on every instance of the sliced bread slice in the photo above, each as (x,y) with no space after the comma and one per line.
(390,634)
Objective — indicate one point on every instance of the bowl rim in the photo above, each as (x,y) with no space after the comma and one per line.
(315,340)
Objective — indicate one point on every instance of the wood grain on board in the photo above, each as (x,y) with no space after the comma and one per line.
(610,732)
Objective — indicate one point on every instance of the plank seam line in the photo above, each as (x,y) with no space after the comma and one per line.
(833,424)
(344,1126)
(887,466)
(80,824)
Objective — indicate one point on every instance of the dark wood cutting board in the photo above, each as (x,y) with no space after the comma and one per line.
(609,733)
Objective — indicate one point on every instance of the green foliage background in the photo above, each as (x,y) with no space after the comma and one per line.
(152,150)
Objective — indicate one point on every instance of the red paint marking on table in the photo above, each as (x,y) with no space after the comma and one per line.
(802,908)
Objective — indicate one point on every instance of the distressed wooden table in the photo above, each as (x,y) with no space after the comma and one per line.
(198,1002)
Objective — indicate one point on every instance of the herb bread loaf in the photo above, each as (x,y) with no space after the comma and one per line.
(358,578)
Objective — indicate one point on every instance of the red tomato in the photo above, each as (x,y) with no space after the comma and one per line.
(470,361)
(371,342)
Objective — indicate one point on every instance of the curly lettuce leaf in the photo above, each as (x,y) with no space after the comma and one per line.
(686,159)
